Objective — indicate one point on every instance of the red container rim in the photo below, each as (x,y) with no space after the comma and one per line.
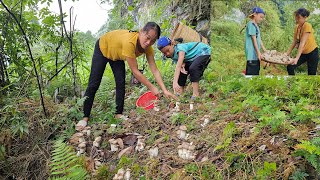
(149,97)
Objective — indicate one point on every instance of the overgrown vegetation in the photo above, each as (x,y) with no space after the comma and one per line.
(259,128)
(228,33)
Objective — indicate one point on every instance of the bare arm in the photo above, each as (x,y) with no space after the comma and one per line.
(178,67)
(301,47)
(302,43)
(177,71)
(263,47)
(255,45)
(133,65)
(156,73)
(293,44)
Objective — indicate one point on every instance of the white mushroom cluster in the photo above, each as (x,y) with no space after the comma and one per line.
(97,141)
(87,131)
(185,151)
(115,144)
(276,57)
(122,174)
(206,120)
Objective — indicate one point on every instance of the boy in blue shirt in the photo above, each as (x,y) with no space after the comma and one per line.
(191,58)
(253,42)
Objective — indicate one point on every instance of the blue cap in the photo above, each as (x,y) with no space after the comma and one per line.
(163,42)
(257,10)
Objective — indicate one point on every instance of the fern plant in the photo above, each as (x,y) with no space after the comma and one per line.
(65,164)
(310,150)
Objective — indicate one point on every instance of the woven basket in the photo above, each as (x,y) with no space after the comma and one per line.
(188,34)
(276,57)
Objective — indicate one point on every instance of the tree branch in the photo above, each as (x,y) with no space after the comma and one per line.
(30,53)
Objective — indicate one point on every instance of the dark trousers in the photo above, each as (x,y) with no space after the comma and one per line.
(312,60)
(253,67)
(98,66)
(195,69)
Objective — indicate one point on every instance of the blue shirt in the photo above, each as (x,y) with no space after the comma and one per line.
(252,30)
(190,54)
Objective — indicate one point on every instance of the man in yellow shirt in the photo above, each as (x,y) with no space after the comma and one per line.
(305,42)
(114,48)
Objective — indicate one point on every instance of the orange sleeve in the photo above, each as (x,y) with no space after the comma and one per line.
(307,28)
(128,50)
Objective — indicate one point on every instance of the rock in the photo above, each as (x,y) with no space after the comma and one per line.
(203,26)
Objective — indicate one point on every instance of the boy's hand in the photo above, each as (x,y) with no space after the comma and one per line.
(183,70)
(176,88)
(259,56)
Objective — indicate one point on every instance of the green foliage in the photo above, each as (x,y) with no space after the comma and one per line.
(19,126)
(2,152)
(226,139)
(178,119)
(275,120)
(203,171)
(310,150)
(65,164)
(267,170)
(75,111)
(299,175)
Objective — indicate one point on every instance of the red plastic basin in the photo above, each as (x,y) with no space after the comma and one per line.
(146,100)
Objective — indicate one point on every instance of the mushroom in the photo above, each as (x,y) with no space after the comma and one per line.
(113,127)
(185,151)
(97,163)
(120,143)
(119,175)
(153,152)
(98,139)
(82,145)
(127,174)
(88,132)
(177,107)
(205,121)
(113,144)
(140,144)
(182,132)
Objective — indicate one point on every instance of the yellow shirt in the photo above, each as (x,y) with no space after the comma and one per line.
(119,44)
(311,41)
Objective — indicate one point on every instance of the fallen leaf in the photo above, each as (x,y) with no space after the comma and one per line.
(126,151)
